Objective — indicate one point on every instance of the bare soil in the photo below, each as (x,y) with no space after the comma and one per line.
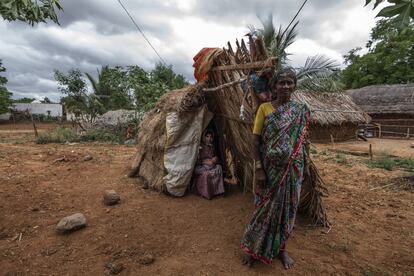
(372,233)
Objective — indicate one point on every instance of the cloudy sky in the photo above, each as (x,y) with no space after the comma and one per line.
(95,32)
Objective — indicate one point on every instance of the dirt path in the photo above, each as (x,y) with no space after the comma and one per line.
(398,147)
(372,234)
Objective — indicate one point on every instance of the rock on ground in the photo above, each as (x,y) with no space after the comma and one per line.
(146,259)
(71,223)
(111,197)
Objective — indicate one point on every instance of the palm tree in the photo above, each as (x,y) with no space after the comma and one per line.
(319,72)
(101,91)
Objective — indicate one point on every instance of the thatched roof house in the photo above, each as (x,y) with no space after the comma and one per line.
(390,106)
(385,101)
(333,115)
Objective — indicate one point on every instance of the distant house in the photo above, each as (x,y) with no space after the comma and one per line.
(333,115)
(37,108)
(390,106)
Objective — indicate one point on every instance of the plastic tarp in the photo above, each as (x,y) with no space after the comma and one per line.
(184,133)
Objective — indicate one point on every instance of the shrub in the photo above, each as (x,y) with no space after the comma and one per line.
(387,163)
(58,135)
(341,158)
(102,135)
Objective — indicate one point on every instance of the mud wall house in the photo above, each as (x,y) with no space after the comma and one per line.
(390,106)
(334,116)
(45,109)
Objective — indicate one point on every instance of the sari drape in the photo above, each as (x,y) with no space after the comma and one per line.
(283,153)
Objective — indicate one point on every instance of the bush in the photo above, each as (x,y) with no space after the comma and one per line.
(58,135)
(341,159)
(103,135)
(387,163)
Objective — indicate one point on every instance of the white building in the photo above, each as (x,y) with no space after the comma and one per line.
(52,110)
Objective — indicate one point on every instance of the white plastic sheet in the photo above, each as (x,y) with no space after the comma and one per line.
(183,140)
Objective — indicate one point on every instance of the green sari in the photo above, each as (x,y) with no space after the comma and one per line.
(283,157)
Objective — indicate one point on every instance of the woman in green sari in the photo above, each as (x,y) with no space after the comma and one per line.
(279,151)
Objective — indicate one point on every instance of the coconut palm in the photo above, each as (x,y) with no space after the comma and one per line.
(319,72)
(102,91)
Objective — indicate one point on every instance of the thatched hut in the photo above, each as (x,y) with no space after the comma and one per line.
(390,106)
(169,136)
(333,116)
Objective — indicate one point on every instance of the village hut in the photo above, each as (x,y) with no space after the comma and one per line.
(334,116)
(390,106)
(169,136)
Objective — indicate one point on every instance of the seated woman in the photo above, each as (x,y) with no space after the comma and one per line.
(208,174)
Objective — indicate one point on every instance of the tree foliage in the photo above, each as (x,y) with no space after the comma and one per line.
(30,11)
(5,95)
(402,10)
(76,100)
(319,72)
(116,88)
(24,100)
(389,58)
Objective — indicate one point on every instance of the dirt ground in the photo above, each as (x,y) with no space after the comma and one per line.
(372,233)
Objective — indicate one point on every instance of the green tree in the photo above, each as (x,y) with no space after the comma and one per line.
(401,10)
(24,100)
(30,11)
(111,89)
(5,95)
(85,106)
(389,58)
(149,87)
(319,73)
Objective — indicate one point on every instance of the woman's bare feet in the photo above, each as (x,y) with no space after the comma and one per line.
(287,261)
(247,260)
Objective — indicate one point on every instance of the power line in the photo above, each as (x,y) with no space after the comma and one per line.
(139,29)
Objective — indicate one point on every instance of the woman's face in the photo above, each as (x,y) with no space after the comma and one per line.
(285,85)
(208,138)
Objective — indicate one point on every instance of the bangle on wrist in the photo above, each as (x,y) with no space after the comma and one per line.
(257,164)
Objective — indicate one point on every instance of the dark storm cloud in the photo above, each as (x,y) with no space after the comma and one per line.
(95,33)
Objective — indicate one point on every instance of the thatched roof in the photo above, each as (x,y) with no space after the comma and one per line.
(385,99)
(331,108)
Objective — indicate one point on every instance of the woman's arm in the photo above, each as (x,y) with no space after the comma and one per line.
(260,173)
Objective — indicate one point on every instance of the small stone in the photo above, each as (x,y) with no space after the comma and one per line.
(87,158)
(71,223)
(114,268)
(108,210)
(34,209)
(146,259)
(111,197)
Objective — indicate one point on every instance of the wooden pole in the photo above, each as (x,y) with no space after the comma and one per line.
(34,127)
(408,133)
(332,140)
(370,152)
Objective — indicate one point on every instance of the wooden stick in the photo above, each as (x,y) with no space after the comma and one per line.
(370,152)
(270,62)
(213,89)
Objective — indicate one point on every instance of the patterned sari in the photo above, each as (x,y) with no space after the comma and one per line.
(283,157)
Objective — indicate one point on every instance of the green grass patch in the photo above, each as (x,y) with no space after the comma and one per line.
(103,135)
(58,135)
(313,151)
(324,152)
(341,159)
(387,163)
